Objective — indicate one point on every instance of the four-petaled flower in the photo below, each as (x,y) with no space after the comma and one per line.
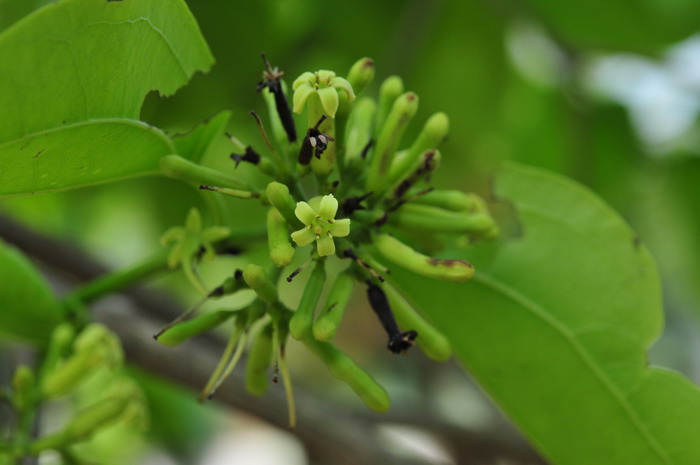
(326,85)
(320,225)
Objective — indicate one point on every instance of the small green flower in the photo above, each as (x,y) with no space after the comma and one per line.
(326,85)
(320,225)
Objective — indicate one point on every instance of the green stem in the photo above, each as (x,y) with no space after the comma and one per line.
(117,280)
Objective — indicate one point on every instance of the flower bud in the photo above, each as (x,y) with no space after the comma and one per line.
(281,251)
(256,278)
(94,418)
(434,344)
(258,362)
(433,133)
(361,74)
(279,197)
(344,368)
(390,90)
(432,220)
(326,325)
(452,200)
(22,385)
(358,133)
(436,268)
(402,112)
(183,331)
(300,324)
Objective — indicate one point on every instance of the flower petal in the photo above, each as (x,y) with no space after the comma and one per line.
(304,236)
(329,101)
(328,207)
(193,222)
(215,233)
(305,213)
(301,94)
(340,228)
(324,76)
(325,246)
(306,78)
(340,83)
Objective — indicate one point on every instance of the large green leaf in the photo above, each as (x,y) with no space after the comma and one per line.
(555,326)
(28,307)
(73,76)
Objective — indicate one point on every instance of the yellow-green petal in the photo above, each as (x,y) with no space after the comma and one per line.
(304,236)
(305,213)
(215,233)
(301,95)
(341,83)
(329,101)
(325,245)
(305,78)
(324,76)
(328,207)
(340,228)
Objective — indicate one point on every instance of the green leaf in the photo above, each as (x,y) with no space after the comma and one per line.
(646,26)
(555,326)
(196,144)
(73,76)
(29,308)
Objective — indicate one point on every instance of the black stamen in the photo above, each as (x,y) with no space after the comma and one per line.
(365,149)
(294,273)
(250,155)
(398,342)
(271,80)
(349,253)
(352,204)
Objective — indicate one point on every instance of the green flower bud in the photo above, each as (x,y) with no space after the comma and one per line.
(402,112)
(300,324)
(281,251)
(361,74)
(433,133)
(342,367)
(436,268)
(183,331)
(358,132)
(279,197)
(94,418)
(452,200)
(258,362)
(432,220)
(176,167)
(390,90)
(59,346)
(257,279)
(434,344)
(22,386)
(326,325)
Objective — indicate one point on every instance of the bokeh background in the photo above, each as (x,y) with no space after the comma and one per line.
(605,92)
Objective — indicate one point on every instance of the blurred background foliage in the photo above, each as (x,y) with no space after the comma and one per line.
(604,92)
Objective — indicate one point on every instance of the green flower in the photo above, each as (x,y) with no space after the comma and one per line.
(326,85)
(320,225)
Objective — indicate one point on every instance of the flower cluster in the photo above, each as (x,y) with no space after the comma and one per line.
(351,163)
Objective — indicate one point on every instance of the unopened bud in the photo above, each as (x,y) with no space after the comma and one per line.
(183,331)
(361,74)
(256,278)
(281,251)
(389,91)
(300,324)
(326,325)
(279,197)
(433,133)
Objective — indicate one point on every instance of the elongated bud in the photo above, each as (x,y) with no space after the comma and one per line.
(279,197)
(424,218)
(452,200)
(61,339)
(258,362)
(326,325)
(390,90)
(344,368)
(256,278)
(358,131)
(433,133)
(424,166)
(22,385)
(183,331)
(174,166)
(437,268)
(361,74)
(281,251)
(434,344)
(300,324)
(390,134)
(94,418)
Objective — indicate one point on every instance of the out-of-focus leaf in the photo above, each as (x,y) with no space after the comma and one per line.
(28,308)
(555,326)
(196,144)
(73,76)
(645,26)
